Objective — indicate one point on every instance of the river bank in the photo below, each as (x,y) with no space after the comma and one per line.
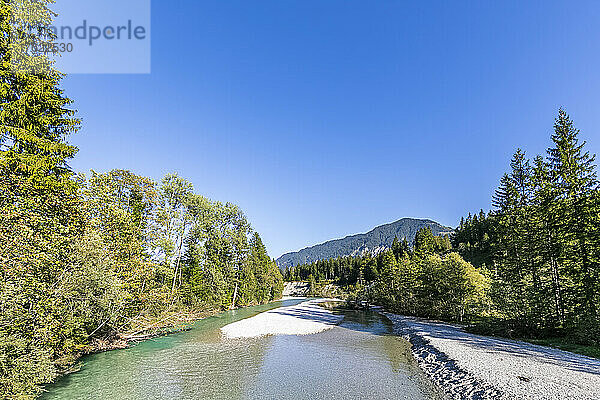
(279,345)
(357,358)
(167,324)
(175,322)
(468,366)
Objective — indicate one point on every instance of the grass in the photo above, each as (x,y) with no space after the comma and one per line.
(568,345)
(558,339)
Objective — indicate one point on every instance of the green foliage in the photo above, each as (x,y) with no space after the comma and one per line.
(430,285)
(427,280)
(424,241)
(34,117)
(40,216)
(312,285)
(38,228)
(346,271)
(87,260)
(542,242)
(172,222)
(401,248)
(91,265)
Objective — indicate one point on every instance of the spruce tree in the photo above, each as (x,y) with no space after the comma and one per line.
(575,186)
(513,257)
(39,207)
(424,241)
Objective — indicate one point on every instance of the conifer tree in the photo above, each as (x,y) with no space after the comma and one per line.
(424,241)
(575,186)
(396,249)
(545,219)
(39,208)
(511,200)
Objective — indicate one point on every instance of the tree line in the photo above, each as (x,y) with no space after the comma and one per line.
(424,278)
(88,260)
(529,268)
(350,270)
(541,243)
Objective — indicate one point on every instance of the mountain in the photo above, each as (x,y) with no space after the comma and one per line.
(375,241)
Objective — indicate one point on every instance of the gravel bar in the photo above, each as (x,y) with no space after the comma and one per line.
(468,366)
(303,319)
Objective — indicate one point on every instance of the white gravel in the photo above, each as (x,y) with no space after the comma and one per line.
(468,366)
(303,319)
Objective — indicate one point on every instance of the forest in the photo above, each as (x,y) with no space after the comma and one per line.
(425,278)
(87,262)
(541,243)
(529,268)
(91,261)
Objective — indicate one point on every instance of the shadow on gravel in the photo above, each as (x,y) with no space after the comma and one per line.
(358,320)
(309,314)
(574,362)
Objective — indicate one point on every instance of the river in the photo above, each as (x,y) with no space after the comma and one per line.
(358,359)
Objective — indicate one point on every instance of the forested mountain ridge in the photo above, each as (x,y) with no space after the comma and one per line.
(376,240)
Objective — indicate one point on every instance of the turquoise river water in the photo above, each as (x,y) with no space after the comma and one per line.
(358,359)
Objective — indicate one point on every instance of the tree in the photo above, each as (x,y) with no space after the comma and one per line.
(258,268)
(312,285)
(542,240)
(575,186)
(424,241)
(119,206)
(514,262)
(549,279)
(40,219)
(173,220)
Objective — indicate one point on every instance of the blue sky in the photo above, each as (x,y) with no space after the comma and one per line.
(327,118)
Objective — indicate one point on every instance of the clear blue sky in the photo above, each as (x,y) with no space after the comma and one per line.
(326,118)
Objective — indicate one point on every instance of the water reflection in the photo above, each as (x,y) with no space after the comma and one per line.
(357,359)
